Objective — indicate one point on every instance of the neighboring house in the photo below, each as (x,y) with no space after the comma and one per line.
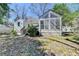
(5,29)
(20,24)
(49,22)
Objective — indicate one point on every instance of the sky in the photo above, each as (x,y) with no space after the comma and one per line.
(72,7)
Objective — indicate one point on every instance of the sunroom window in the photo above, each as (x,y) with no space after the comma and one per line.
(46,24)
(42,24)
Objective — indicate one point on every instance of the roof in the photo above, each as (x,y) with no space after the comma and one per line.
(52,12)
(31,21)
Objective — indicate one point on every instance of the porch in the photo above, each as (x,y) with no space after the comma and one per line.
(50,26)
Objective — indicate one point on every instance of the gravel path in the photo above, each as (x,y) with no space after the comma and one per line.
(21,46)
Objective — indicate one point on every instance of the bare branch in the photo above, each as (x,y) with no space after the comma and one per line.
(39,9)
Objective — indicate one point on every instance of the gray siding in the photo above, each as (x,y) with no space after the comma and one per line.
(5,29)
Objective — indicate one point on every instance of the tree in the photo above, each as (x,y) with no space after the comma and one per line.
(4,8)
(63,10)
(20,11)
(69,18)
(39,8)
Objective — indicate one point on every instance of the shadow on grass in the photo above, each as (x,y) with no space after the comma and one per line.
(73,41)
(64,43)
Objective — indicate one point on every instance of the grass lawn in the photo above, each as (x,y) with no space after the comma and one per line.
(59,46)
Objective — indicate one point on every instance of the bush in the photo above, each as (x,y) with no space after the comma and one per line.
(13,32)
(76,37)
(32,31)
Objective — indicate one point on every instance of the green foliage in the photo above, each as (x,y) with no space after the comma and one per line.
(1,21)
(4,8)
(13,32)
(32,30)
(61,9)
(76,37)
(70,17)
(67,16)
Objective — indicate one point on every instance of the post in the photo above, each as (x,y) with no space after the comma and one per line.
(60,26)
(39,25)
(49,24)
(44,23)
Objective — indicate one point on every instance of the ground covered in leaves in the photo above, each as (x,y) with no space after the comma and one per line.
(20,46)
(37,46)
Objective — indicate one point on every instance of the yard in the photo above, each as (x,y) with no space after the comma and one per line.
(38,46)
(59,46)
(19,46)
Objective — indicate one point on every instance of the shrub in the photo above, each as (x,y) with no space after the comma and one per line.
(76,37)
(13,32)
(32,30)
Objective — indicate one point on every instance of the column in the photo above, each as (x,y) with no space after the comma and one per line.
(44,23)
(39,25)
(60,26)
(49,24)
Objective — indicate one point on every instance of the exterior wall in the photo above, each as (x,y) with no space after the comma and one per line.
(31,21)
(52,17)
(18,28)
(50,31)
(23,23)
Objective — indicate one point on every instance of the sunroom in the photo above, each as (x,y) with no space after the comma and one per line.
(50,22)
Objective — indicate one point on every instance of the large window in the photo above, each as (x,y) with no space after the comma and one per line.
(52,24)
(46,24)
(42,24)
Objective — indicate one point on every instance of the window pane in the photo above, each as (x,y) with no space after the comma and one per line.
(46,24)
(54,24)
(42,24)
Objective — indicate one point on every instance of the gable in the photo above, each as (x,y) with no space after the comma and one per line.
(50,14)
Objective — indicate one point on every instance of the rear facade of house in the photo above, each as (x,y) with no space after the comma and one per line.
(49,23)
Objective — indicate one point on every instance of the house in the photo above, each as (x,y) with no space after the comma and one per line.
(5,29)
(20,24)
(49,23)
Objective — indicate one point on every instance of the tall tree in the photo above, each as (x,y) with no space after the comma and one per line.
(4,8)
(62,10)
(39,8)
(69,18)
